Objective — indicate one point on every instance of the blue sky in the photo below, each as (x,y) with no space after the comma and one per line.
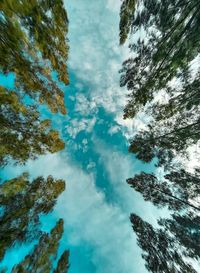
(95,164)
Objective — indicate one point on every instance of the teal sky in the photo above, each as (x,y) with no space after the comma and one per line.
(95,164)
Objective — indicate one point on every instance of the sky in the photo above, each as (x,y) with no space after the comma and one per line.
(95,164)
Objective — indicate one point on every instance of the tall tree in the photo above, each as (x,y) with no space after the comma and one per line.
(175,196)
(22,203)
(166,45)
(186,230)
(44,254)
(126,18)
(165,142)
(160,251)
(63,263)
(33,43)
(23,135)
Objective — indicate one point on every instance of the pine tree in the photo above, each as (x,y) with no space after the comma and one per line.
(33,43)
(23,135)
(126,18)
(160,251)
(164,49)
(164,142)
(44,254)
(22,203)
(174,195)
(186,230)
(63,263)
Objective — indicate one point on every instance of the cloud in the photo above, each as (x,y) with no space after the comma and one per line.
(90,219)
(95,54)
(120,166)
(78,125)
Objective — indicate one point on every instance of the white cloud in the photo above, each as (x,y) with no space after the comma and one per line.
(89,218)
(119,167)
(95,55)
(113,5)
(76,126)
(114,129)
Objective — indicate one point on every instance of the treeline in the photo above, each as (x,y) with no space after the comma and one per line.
(33,44)
(164,63)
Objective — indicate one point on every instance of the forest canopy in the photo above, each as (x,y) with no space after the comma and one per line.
(34,50)
(162,77)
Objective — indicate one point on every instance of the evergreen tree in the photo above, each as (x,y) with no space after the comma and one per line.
(164,49)
(44,254)
(186,230)
(63,263)
(166,40)
(164,142)
(23,135)
(22,203)
(33,43)
(160,251)
(171,193)
(126,18)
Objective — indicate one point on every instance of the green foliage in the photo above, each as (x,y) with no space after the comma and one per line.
(23,135)
(160,251)
(186,230)
(164,142)
(126,17)
(166,40)
(33,43)
(175,192)
(164,50)
(63,263)
(22,203)
(44,254)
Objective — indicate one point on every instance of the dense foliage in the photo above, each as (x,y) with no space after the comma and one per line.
(44,254)
(161,251)
(34,49)
(162,75)
(33,43)
(22,202)
(23,135)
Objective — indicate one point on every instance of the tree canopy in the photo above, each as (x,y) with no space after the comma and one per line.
(33,44)
(162,76)
(34,48)
(161,252)
(44,254)
(166,45)
(22,202)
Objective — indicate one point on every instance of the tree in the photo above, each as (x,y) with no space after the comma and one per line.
(175,127)
(160,251)
(158,142)
(169,193)
(22,203)
(166,45)
(23,135)
(63,264)
(126,18)
(186,230)
(44,254)
(33,43)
